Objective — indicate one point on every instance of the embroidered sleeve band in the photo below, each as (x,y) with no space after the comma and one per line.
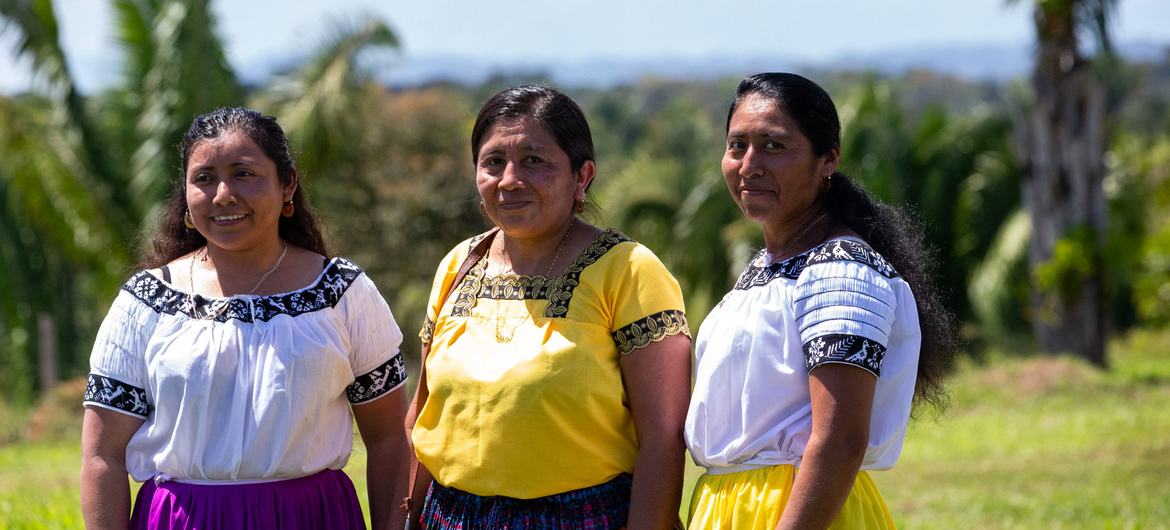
(377,382)
(845,349)
(116,395)
(653,328)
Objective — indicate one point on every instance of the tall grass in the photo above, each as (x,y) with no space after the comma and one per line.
(1027,443)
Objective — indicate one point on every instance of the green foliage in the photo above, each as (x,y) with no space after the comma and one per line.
(1071,265)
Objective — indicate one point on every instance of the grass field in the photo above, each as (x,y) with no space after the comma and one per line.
(1027,443)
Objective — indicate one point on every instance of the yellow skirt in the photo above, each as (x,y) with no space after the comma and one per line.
(754,500)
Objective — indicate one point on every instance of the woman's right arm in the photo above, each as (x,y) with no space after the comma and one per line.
(105,489)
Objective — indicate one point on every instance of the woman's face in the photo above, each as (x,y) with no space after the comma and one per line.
(770,167)
(526,181)
(234,193)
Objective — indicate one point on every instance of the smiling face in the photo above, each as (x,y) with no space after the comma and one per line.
(770,167)
(234,193)
(526,180)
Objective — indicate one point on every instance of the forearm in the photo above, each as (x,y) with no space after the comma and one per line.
(386,479)
(105,494)
(823,482)
(657,488)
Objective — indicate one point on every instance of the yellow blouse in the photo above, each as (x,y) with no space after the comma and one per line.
(526,396)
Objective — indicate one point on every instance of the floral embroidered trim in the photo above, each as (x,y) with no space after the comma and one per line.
(847,349)
(558,291)
(333,283)
(112,393)
(833,250)
(516,287)
(562,291)
(653,328)
(427,332)
(377,382)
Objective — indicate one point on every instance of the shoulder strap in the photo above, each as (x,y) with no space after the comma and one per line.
(420,392)
(166,272)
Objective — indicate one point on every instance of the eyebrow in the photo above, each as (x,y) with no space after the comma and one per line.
(243,161)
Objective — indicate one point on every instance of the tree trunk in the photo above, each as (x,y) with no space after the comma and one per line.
(46,351)
(1064,169)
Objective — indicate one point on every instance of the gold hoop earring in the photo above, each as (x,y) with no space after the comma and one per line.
(288,209)
(188,221)
(579,206)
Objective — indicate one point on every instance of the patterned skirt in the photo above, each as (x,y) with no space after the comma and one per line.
(754,500)
(602,507)
(323,500)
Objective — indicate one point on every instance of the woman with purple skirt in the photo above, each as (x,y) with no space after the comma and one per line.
(228,373)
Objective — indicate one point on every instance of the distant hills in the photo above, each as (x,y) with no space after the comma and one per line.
(975,62)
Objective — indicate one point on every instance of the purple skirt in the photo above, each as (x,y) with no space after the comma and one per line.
(323,500)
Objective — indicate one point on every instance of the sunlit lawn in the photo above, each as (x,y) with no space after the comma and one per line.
(1036,443)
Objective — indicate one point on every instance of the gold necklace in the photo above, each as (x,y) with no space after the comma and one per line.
(504,334)
(219,305)
(793,241)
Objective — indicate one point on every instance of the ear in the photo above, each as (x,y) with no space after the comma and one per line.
(584,178)
(828,163)
(290,188)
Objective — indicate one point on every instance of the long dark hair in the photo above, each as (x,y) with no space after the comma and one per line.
(554,111)
(173,239)
(889,230)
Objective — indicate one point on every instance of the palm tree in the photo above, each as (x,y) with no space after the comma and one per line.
(1065,142)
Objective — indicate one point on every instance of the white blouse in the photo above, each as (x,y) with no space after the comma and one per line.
(246,388)
(840,302)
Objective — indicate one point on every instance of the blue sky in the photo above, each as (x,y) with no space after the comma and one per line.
(260,33)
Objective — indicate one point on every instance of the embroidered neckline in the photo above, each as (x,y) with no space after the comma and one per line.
(324,292)
(839,249)
(558,290)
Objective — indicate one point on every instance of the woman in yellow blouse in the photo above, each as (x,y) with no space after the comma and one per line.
(558,375)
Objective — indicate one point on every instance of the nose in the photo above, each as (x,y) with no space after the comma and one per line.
(510,179)
(751,165)
(223,193)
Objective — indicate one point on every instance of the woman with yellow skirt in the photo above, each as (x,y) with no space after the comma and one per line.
(807,371)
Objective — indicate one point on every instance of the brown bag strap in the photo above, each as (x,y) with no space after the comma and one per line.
(420,392)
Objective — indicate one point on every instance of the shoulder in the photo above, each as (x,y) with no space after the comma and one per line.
(848,253)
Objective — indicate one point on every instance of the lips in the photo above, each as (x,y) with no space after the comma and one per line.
(228,218)
(755,191)
(513,205)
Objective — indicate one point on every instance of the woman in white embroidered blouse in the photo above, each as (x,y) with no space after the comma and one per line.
(806,371)
(225,373)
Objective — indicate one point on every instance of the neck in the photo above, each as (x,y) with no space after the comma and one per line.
(534,255)
(797,233)
(236,271)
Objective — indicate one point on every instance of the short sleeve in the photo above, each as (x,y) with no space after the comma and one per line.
(375,338)
(445,274)
(844,310)
(117,365)
(647,301)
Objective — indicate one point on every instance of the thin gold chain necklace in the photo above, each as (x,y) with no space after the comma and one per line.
(793,241)
(218,306)
(504,333)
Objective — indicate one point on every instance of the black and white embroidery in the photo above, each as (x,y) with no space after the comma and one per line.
(336,279)
(427,332)
(848,349)
(653,328)
(849,250)
(112,393)
(835,250)
(378,381)
(558,291)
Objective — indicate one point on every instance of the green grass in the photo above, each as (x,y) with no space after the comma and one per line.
(1027,443)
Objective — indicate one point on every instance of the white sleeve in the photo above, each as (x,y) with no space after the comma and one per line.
(377,363)
(845,311)
(117,366)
